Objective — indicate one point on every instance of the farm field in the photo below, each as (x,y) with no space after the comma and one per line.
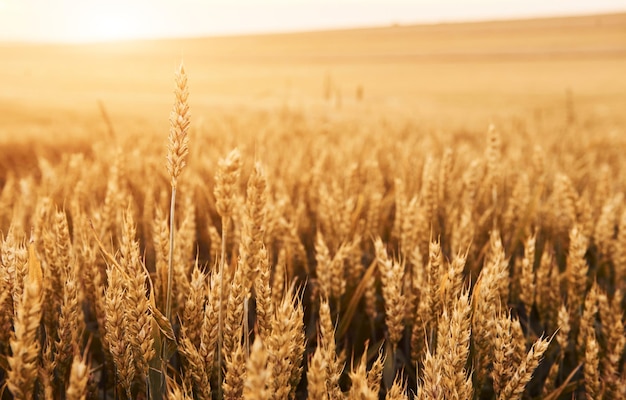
(428,211)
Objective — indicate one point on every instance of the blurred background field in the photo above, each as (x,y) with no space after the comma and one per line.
(440,76)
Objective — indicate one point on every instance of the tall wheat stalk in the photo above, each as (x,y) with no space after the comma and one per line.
(177,151)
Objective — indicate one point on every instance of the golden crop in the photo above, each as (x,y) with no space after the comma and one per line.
(289,255)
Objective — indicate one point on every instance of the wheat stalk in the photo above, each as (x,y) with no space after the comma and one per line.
(177,150)
(23,362)
(225,187)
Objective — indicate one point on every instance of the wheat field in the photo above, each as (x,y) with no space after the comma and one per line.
(421,217)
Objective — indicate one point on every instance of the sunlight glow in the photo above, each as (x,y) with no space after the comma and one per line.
(102,20)
(107,23)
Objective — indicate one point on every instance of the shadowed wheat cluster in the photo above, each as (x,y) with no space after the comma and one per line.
(316,260)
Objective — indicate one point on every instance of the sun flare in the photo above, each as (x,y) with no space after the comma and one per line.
(109,23)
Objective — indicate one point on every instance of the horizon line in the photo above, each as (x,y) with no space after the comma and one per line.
(320,29)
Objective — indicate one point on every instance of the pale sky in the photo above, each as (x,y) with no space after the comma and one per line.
(96,20)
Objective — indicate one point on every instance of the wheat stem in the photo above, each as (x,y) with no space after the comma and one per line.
(170,269)
(220,312)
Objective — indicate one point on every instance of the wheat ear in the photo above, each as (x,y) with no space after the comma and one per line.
(79,377)
(23,362)
(225,186)
(258,374)
(515,386)
(317,376)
